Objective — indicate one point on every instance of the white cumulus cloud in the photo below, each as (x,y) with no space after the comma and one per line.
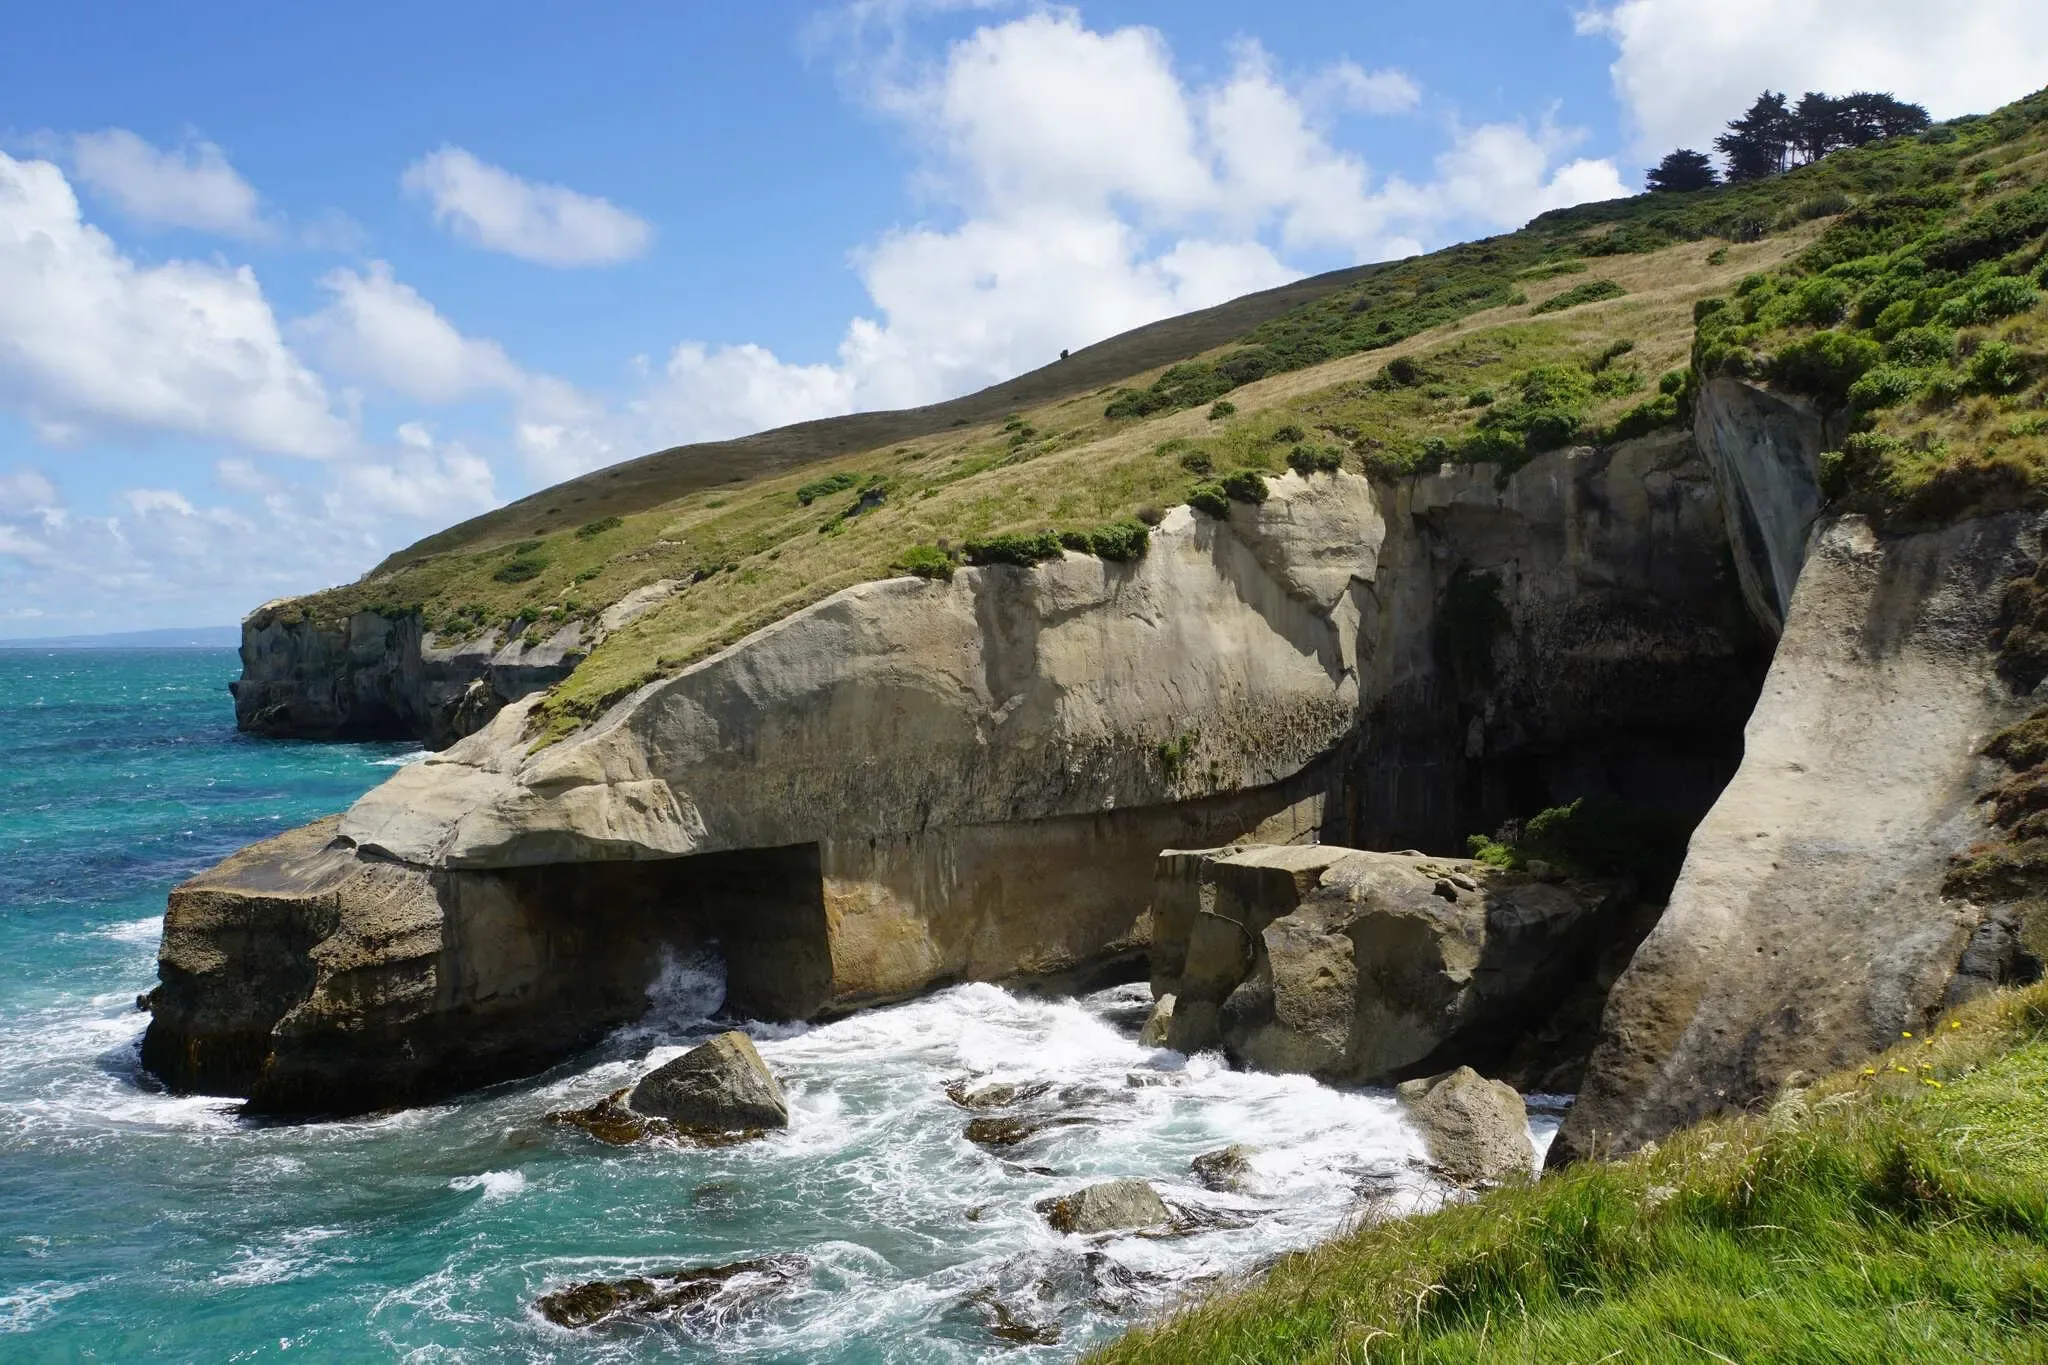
(490,207)
(188,186)
(90,341)
(1685,67)
(378,330)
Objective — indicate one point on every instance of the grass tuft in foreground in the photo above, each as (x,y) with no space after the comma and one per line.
(1894,1212)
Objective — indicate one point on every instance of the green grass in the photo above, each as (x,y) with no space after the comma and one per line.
(1897,1212)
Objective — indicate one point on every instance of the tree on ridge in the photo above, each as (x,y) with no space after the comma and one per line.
(1682,170)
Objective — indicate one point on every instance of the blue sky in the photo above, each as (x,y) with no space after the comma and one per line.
(284,287)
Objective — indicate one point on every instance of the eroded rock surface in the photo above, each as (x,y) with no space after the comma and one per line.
(916,782)
(719,1085)
(371,676)
(1809,927)
(1361,967)
(1477,1129)
(1112,1206)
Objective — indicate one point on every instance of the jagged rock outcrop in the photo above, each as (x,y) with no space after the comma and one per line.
(1809,926)
(373,676)
(1361,967)
(1477,1129)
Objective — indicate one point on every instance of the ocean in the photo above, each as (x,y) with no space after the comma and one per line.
(136,1225)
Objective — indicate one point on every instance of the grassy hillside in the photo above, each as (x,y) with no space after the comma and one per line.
(1896,1212)
(1580,327)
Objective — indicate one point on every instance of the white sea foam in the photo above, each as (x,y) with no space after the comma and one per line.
(405,760)
(133,931)
(877,1150)
(291,1256)
(495,1184)
(24,1307)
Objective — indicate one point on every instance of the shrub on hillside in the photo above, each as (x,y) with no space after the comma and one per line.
(1921,346)
(1824,365)
(591,529)
(520,569)
(1884,386)
(1999,367)
(1222,408)
(1592,291)
(825,487)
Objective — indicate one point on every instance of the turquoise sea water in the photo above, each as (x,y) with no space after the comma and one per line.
(140,1226)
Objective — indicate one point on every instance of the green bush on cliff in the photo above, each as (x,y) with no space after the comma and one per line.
(1021,550)
(1824,365)
(1210,498)
(1305,460)
(1890,1213)
(926,561)
(1245,485)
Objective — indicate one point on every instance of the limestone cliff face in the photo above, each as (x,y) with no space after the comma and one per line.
(370,676)
(1808,927)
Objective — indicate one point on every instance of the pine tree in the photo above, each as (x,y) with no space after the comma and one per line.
(1870,115)
(1757,143)
(1684,169)
(1820,124)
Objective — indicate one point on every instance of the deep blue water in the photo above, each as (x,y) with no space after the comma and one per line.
(140,1226)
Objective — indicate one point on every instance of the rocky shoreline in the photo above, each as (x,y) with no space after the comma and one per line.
(1290,684)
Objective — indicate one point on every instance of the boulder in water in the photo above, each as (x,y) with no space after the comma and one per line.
(1158,1024)
(1113,1206)
(1478,1129)
(673,1294)
(722,1085)
(1225,1171)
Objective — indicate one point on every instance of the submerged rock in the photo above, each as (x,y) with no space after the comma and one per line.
(1017,1324)
(720,1085)
(998,1096)
(702,1293)
(1478,1130)
(1113,1206)
(611,1120)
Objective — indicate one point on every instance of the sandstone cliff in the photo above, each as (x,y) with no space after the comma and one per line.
(369,675)
(918,781)
(1809,926)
